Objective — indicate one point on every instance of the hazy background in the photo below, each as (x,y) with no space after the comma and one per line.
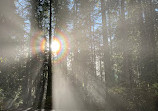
(108,59)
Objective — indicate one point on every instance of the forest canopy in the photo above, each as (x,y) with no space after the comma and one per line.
(79,55)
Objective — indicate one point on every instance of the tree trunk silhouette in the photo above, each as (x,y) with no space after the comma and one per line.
(48,104)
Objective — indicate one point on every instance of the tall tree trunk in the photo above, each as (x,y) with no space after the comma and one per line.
(49,97)
(148,45)
(125,77)
(106,58)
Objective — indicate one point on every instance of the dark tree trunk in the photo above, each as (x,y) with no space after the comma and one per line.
(49,97)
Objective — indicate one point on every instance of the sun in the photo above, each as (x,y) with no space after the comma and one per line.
(55,46)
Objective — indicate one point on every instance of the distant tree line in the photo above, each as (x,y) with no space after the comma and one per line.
(113,53)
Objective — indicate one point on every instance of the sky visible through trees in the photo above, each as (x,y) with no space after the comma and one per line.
(79,55)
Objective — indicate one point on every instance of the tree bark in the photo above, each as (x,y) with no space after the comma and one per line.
(49,97)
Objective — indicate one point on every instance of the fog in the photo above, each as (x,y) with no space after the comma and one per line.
(78,55)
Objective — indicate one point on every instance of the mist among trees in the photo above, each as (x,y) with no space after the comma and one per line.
(79,55)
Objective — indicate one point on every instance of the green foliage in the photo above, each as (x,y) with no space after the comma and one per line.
(117,90)
(155,87)
(113,52)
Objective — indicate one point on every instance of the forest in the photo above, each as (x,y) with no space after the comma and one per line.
(79,55)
